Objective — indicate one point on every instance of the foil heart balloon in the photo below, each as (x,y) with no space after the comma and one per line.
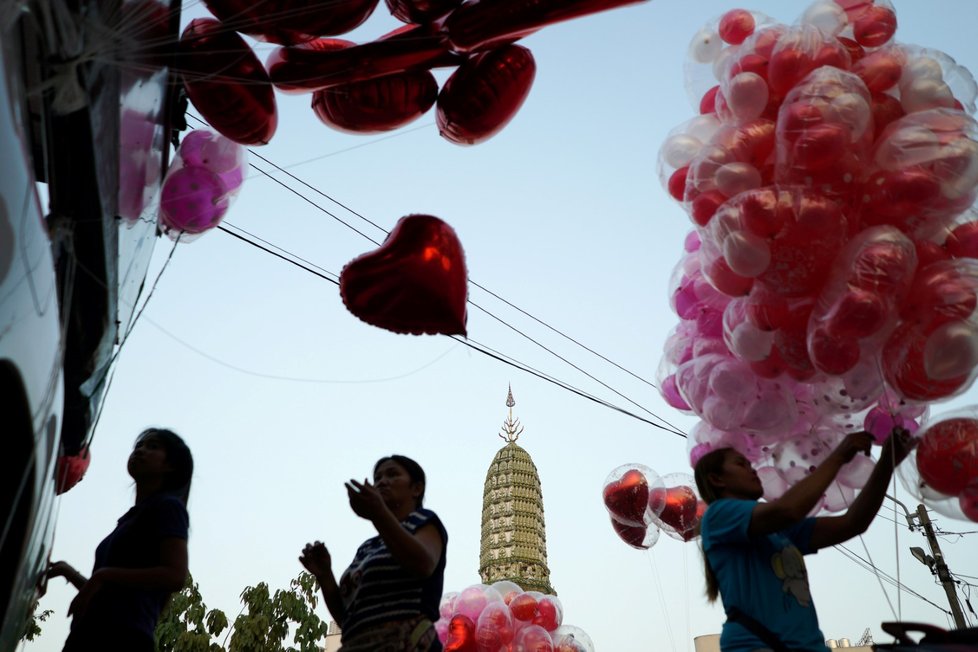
(414,283)
(71,469)
(681,511)
(627,497)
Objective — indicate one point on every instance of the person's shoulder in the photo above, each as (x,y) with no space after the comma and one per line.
(423,516)
(727,508)
(169,506)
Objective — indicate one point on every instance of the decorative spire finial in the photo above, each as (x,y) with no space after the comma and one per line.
(511,427)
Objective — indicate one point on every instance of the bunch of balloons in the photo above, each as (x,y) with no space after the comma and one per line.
(369,87)
(502,617)
(830,281)
(642,504)
(204,177)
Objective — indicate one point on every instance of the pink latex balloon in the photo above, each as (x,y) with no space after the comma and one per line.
(194,199)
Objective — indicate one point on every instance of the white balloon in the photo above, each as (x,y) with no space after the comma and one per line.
(827,16)
(747,95)
(735,178)
(705,46)
(746,253)
(680,149)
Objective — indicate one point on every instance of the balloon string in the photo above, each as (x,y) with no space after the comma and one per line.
(662,596)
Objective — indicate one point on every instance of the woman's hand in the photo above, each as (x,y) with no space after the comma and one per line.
(365,501)
(60,569)
(897,446)
(80,604)
(316,559)
(856,442)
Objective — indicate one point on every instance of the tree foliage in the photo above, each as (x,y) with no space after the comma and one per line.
(265,622)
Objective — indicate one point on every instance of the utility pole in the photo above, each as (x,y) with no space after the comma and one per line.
(935,563)
(940,568)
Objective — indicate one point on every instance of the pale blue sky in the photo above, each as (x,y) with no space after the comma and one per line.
(563,215)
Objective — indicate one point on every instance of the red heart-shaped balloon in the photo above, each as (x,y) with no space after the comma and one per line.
(414,283)
(461,635)
(681,510)
(628,497)
(71,469)
(633,535)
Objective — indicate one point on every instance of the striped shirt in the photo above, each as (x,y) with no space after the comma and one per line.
(375,589)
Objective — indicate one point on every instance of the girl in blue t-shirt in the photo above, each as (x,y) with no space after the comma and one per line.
(387,599)
(143,560)
(753,551)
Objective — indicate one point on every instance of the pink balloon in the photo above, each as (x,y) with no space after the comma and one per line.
(194,199)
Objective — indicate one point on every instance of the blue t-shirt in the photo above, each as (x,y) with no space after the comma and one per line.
(134,543)
(376,589)
(763,576)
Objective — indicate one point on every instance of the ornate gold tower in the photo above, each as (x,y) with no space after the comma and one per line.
(514,535)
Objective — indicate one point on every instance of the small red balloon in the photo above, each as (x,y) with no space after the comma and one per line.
(905,371)
(376,105)
(523,607)
(414,283)
(70,470)
(227,83)
(633,535)
(461,635)
(680,511)
(962,242)
(484,94)
(736,25)
(947,456)
(874,26)
(627,498)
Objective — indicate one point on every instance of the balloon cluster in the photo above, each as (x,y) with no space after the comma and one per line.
(502,617)
(376,86)
(830,281)
(204,177)
(642,504)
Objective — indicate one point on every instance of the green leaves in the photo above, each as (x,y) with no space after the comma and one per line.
(265,622)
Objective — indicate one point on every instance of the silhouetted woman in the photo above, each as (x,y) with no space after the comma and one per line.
(143,560)
(753,550)
(387,600)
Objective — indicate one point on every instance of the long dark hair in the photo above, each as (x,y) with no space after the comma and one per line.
(177,481)
(711,463)
(414,471)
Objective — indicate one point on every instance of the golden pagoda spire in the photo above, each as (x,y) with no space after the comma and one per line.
(514,536)
(511,427)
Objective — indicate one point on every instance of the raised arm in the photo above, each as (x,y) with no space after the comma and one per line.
(795,504)
(830,530)
(317,560)
(418,553)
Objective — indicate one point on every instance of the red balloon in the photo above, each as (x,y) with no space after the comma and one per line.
(874,26)
(484,94)
(709,101)
(485,24)
(963,241)
(633,535)
(227,83)
(461,635)
(831,354)
(736,25)
(940,293)
(421,11)
(929,252)
(886,109)
(291,21)
(898,197)
(71,469)
(329,62)
(680,511)
(968,501)
(859,313)
(856,51)
(880,70)
(677,183)
(725,280)
(904,369)
(523,607)
(376,105)
(947,456)
(627,498)
(547,615)
(414,283)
